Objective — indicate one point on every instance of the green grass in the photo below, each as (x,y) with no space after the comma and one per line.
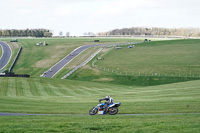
(153,63)
(138,94)
(34,60)
(23,95)
(77,97)
(165,57)
(123,124)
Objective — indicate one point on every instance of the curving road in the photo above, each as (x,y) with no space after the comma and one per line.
(57,67)
(6,54)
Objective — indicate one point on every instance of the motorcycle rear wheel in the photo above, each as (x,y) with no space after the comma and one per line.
(93,111)
(113,111)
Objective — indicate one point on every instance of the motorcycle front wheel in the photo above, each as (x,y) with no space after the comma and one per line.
(93,111)
(113,110)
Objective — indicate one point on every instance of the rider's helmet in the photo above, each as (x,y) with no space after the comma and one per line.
(107,96)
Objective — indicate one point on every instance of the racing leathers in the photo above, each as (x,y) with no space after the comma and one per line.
(109,101)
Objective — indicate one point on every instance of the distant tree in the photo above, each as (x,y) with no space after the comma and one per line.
(60,33)
(188,32)
(47,34)
(85,34)
(67,34)
(5,33)
(91,34)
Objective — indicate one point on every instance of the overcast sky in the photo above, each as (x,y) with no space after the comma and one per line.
(79,16)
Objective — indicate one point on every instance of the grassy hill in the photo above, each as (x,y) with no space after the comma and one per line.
(41,95)
(22,95)
(161,57)
(147,93)
(34,60)
(149,63)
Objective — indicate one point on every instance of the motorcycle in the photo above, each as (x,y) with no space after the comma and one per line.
(112,109)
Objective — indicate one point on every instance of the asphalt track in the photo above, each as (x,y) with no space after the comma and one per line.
(6,54)
(21,114)
(57,67)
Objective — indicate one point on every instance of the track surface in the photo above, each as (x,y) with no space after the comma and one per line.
(21,114)
(57,67)
(7,53)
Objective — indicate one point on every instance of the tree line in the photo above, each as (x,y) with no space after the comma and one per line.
(25,33)
(188,32)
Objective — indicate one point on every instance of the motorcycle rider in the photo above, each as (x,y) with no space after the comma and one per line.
(109,101)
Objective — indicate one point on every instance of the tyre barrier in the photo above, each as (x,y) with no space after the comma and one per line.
(14,75)
(17,56)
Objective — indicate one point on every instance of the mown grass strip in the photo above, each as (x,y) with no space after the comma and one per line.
(63,90)
(34,90)
(41,89)
(55,90)
(79,90)
(70,91)
(19,88)
(4,86)
(11,87)
(27,88)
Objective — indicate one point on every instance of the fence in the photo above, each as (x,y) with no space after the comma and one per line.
(189,74)
(14,75)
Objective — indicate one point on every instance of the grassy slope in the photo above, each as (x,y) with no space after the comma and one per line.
(179,60)
(34,60)
(171,57)
(65,96)
(123,124)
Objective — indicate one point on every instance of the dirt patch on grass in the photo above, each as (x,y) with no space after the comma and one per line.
(44,63)
(103,79)
(105,50)
(96,71)
(14,45)
(54,57)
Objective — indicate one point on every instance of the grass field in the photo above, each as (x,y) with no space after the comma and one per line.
(150,94)
(55,96)
(158,61)
(164,57)
(123,124)
(34,60)
(77,97)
